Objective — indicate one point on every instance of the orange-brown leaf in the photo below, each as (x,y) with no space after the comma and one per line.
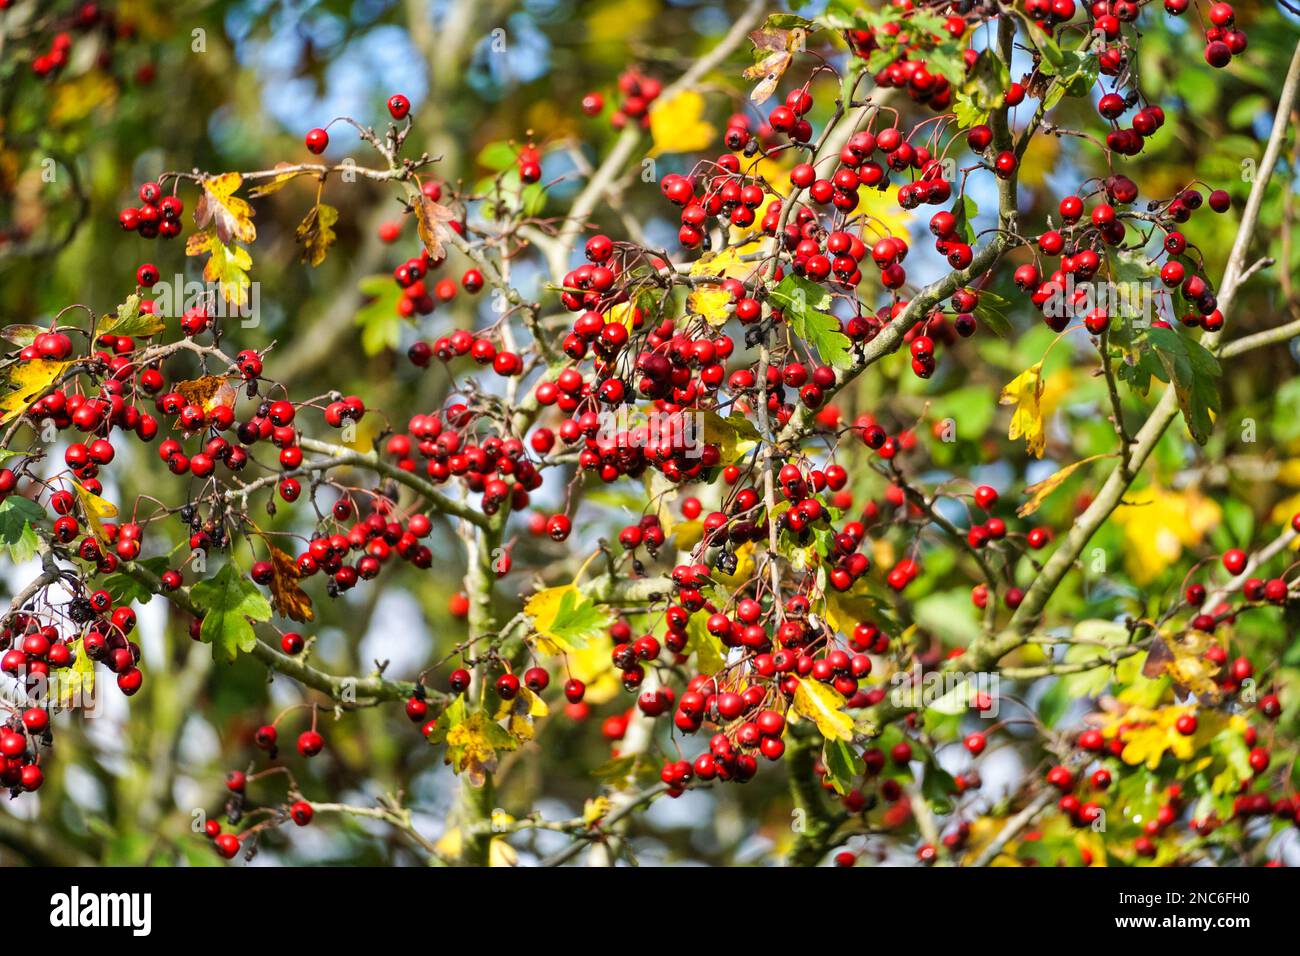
(287,596)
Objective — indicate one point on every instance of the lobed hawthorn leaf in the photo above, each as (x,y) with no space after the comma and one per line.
(230,603)
(1194,372)
(381,325)
(824,706)
(130,321)
(807,311)
(843,765)
(316,233)
(25,382)
(1025,392)
(710,655)
(980,91)
(227,264)
(1075,75)
(565,619)
(677,124)
(96,510)
(230,216)
(17,534)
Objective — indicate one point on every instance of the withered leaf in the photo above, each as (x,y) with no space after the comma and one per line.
(432,218)
(287,596)
(316,233)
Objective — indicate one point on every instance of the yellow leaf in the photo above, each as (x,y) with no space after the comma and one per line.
(472,746)
(1288,472)
(687,534)
(1148,734)
(728,264)
(1037,492)
(1158,524)
(501,853)
(543,607)
(27,382)
(96,509)
(712,303)
(76,684)
(227,264)
(1040,157)
(450,843)
(710,655)
(623,313)
(846,609)
(592,666)
(1025,392)
(231,216)
(885,211)
(1183,658)
(275,184)
(595,809)
(78,98)
(677,124)
(521,710)
(823,706)
(734,435)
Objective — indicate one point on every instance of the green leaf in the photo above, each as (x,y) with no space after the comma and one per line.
(1054,703)
(938,787)
(991,311)
(964,211)
(497,156)
(1076,74)
(381,326)
(1195,376)
(130,321)
(982,90)
(806,306)
(230,602)
(787,21)
(843,765)
(577,622)
(16,532)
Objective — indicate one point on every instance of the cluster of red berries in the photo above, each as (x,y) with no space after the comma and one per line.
(909,70)
(50,63)
(375,539)
(1223,39)
(1080,243)
(37,653)
(496,468)
(87,17)
(1146,121)
(22,736)
(639,92)
(158,215)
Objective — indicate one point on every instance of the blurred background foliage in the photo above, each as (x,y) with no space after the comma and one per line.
(222,86)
